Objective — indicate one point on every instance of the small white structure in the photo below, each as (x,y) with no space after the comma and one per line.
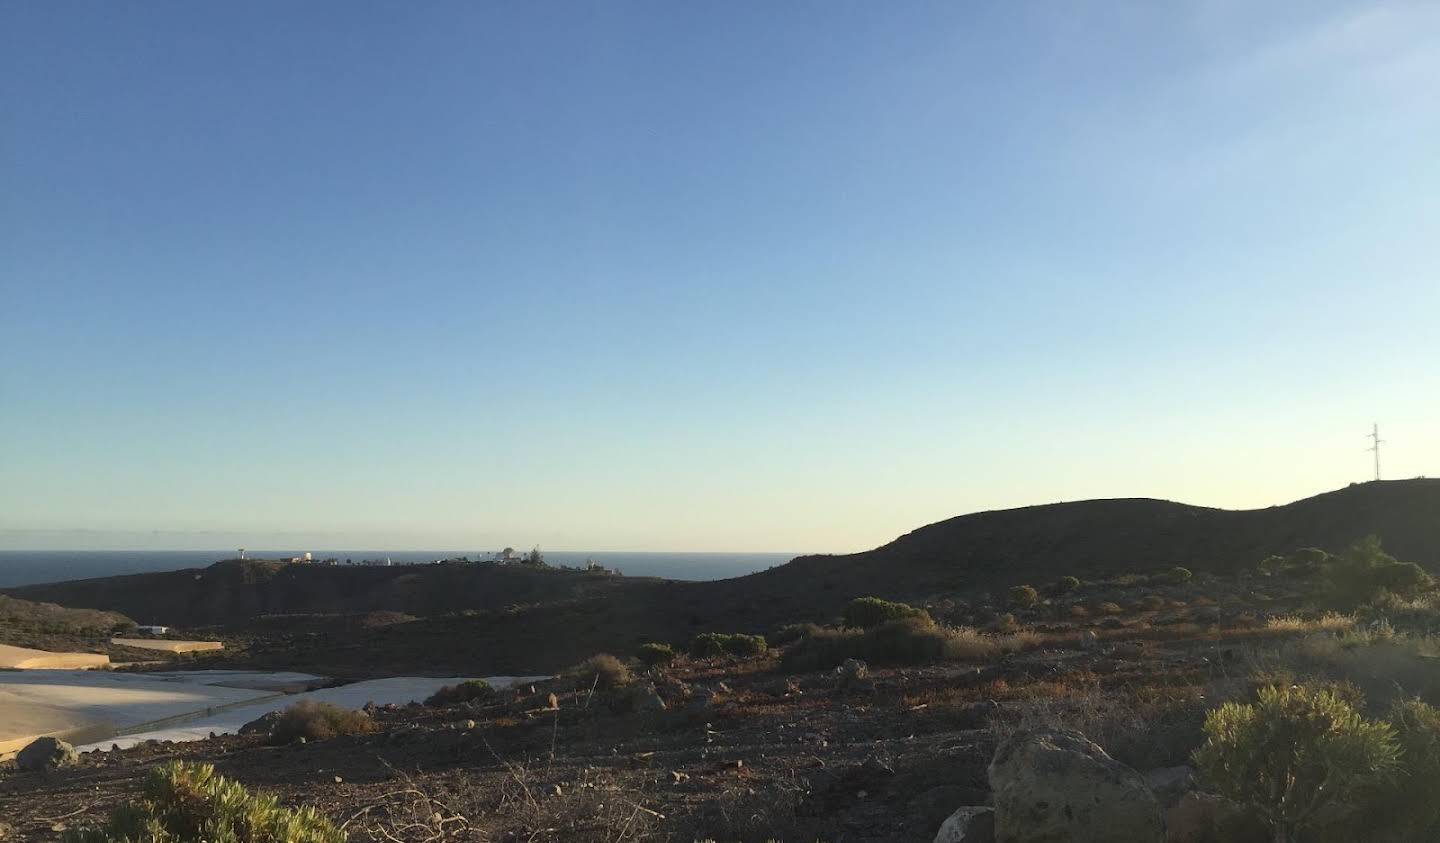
(153,630)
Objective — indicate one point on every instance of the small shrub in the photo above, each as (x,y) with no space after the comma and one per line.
(906,641)
(601,670)
(654,655)
(1079,612)
(1023,596)
(710,645)
(792,632)
(1328,622)
(476,690)
(319,721)
(1293,751)
(1065,585)
(1179,575)
(1108,608)
(865,612)
(183,803)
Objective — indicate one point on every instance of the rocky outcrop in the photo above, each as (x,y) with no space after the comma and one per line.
(1059,786)
(1208,818)
(45,754)
(971,824)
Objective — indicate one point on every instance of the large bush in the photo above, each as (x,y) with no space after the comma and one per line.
(318,721)
(1404,807)
(1365,571)
(709,645)
(866,612)
(1292,752)
(188,803)
(471,690)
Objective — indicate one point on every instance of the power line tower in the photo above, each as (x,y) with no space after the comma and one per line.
(1375,447)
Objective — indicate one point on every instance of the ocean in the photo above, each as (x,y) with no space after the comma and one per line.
(25,567)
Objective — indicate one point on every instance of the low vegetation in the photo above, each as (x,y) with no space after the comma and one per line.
(1023,596)
(908,641)
(185,803)
(601,670)
(471,690)
(319,721)
(655,655)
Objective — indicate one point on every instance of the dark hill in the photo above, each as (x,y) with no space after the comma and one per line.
(1037,544)
(521,619)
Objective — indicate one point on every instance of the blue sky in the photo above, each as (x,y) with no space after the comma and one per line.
(746,276)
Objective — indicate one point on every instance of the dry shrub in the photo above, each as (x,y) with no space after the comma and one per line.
(601,670)
(1144,727)
(790,633)
(318,721)
(1108,608)
(1079,612)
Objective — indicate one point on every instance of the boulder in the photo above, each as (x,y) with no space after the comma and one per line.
(45,754)
(263,725)
(1059,786)
(972,824)
(640,698)
(1170,783)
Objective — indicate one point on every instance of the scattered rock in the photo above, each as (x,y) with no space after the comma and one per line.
(464,725)
(1059,786)
(972,824)
(782,687)
(932,807)
(1089,640)
(45,754)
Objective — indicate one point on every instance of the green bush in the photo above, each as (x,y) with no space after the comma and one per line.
(1290,753)
(653,654)
(1023,596)
(188,803)
(319,721)
(1406,806)
(471,690)
(1179,575)
(601,670)
(865,612)
(709,645)
(1365,571)
(1065,585)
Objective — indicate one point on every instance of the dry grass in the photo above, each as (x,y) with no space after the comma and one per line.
(1328,622)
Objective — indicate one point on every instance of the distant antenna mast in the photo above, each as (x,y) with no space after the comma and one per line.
(1375,438)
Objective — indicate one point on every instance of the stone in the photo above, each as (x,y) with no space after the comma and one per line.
(264,724)
(45,754)
(1056,785)
(852,669)
(641,698)
(1089,640)
(972,824)
(1170,783)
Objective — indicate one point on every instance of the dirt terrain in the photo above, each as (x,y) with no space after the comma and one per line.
(745,751)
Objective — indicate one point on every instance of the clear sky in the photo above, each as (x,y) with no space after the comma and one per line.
(704,276)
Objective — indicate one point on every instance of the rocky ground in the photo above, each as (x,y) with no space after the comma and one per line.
(740,750)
